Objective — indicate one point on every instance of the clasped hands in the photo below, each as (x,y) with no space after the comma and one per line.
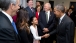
(45,36)
(45,30)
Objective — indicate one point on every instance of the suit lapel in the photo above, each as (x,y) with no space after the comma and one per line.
(1,14)
(45,16)
(7,19)
(29,9)
(62,20)
(60,25)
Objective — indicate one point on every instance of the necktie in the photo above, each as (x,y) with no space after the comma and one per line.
(59,21)
(32,9)
(47,17)
(13,24)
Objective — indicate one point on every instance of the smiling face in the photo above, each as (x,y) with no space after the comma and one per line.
(47,7)
(57,12)
(30,3)
(15,7)
(35,21)
(38,8)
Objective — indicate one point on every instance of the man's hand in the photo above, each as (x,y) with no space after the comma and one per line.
(45,30)
(46,35)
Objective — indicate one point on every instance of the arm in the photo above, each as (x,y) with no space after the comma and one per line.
(53,24)
(33,31)
(70,32)
(53,32)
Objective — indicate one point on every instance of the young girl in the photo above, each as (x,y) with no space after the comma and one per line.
(34,31)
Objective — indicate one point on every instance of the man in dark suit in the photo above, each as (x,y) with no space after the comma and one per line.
(46,23)
(8,31)
(30,8)
(65,28)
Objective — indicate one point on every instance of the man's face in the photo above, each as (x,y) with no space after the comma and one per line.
(30,3)
(15,7)
(46,7)
(57,12)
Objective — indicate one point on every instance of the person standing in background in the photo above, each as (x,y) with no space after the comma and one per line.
(23,27)
(70,13)
(38,3)
(8,30)
(47,23)
(38,10)
(30,8)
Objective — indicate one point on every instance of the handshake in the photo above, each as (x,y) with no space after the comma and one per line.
(45,36)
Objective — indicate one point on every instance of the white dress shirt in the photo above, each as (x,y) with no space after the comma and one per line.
(9,17)
(35,33)
(61,18)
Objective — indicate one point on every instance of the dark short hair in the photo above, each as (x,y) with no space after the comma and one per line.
(4,4)
(60,7)
(31,20)
(28,0)
(38,1)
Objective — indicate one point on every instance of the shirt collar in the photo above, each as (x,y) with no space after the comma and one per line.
(48,11)
(10,18)
(62,17)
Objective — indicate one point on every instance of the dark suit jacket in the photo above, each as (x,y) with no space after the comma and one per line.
(7,32)
(65,31)
(31,14)
(43,23)
(25,37)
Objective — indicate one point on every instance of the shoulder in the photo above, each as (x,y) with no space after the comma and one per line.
(68,19)
(52,13)
(42,12)
(2,19)
(31,27)
(27,8)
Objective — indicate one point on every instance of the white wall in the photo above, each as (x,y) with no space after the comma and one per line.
(34,3)
(23,3)
(65,2)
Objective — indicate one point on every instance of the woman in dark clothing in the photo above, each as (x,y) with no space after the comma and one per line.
(23,28)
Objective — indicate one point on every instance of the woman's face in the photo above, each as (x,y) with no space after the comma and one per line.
(35,21)
(38,9)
